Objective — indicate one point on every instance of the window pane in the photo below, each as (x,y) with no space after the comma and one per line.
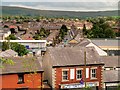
(93,73)
(79,74)
(65,75)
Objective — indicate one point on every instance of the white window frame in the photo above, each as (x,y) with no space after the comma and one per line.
(77,74)
(67,74)
(94,73)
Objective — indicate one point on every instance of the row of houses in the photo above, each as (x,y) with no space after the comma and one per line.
(62,68)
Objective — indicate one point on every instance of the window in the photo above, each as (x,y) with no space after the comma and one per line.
(79,74)
(65,75)
(20,78)
(93,73)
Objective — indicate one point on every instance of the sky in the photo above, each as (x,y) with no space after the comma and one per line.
(65,5)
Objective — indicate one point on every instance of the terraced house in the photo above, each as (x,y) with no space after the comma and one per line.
(67,68)
(25,73)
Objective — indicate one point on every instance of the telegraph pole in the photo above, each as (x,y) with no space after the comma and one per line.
(85,66)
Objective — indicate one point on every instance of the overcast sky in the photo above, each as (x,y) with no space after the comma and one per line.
(66,5)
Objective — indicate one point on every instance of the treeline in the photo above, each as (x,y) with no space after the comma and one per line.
(100,29)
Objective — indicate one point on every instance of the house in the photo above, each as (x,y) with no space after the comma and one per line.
(25,73)
(89,43)
(8,53)
(50,39)
(65,68)
(111,73)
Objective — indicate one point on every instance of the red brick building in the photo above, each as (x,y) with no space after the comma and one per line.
(24,74)
(64,68)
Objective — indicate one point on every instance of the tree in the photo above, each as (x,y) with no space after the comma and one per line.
(63,32)
(11,37)
(20,49)
(100,29)
(42,33)
(6,26)
(84,30)
(5,46)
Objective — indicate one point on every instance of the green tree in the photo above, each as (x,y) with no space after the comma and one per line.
(6,26)
(20,49)
(63,32)
(11,37)
(5,46)
(37,37)
(100,29)
(84,30)
(42,33)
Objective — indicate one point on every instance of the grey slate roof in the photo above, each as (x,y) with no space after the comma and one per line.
(111,61)
(22,65)
(52,35)
(106,42)
(8,53)
(73,56)
(111,76)
(83,43)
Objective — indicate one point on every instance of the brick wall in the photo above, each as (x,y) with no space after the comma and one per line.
(11,80)
(59,81)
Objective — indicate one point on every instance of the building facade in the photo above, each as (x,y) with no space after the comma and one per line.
(76,77)
(64,68)
(21,81)
(25,73)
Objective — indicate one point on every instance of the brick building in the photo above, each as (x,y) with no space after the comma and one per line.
(64,68)
(24,74)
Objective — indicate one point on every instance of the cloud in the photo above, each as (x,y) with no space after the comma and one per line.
(59,0)
(68,6)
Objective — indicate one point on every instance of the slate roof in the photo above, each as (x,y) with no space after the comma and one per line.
(83,43)
(8,53)
(73,56)
(111,76)
(22,65)
(52,35)
(106,42)
(111,61)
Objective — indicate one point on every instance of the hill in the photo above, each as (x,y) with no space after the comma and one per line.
(8,10)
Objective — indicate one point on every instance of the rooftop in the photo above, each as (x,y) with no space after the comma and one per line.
(73,56)
(111,76)
(111,61)
(8,53)
(106,42)
(22,65)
